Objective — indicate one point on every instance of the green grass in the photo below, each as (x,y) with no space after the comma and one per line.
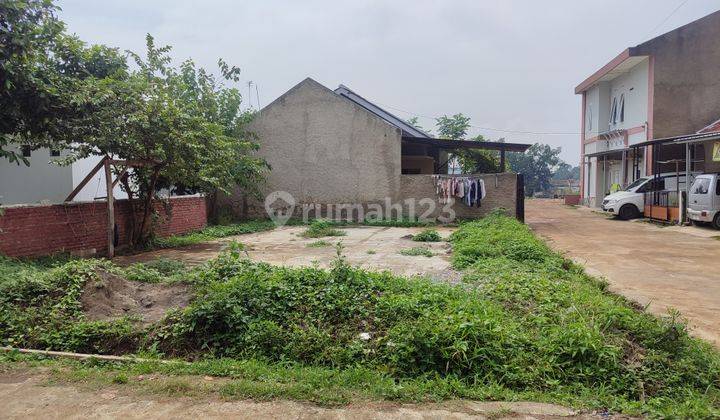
(525,324)
(319,244)
(416,251)
(162,270)
(371,252)
(322,228)
(427,235)
(214,232)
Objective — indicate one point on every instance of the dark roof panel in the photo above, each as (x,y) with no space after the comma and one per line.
(407,129)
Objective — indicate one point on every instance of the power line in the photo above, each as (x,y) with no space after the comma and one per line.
(539,133)
(667,18)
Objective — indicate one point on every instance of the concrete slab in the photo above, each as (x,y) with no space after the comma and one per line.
(369,247)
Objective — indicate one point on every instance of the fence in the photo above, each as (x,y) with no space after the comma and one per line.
(662,205)
(81,227)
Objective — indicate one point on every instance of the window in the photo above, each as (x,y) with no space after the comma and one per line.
(26,151)
(717,186)
(54,152)
(653,185)
(635,184)
(622,108)
(589,117)
(700,186)
(613,112)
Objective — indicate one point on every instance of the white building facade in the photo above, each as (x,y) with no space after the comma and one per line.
(615,117)
(47,182)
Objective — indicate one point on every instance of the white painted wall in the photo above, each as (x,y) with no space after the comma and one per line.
(96,187)
(633,87)
(41,181)
(47,182)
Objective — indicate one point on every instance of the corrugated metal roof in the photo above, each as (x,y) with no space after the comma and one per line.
(407,129)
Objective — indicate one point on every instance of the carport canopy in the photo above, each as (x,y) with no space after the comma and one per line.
(449,144)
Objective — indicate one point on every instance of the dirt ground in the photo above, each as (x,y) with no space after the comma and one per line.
(113,297)
(375,248)
(663,267)
(29,395)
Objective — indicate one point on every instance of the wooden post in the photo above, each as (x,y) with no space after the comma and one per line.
(110,210)
(502,160)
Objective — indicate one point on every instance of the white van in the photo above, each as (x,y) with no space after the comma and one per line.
(704,200)
(630,202)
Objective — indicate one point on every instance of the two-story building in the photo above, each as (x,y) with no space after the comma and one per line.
(666,87)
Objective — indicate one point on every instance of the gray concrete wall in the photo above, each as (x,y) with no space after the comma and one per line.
(686,82)
(501,192)
(324,148)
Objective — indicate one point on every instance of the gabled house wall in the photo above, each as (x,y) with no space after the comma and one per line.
(324,148)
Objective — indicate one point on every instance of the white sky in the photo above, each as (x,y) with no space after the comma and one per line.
(507,64)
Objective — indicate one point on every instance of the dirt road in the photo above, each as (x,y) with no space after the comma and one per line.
(663,267)
(26,395)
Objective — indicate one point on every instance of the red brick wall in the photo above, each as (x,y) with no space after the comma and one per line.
(37,230)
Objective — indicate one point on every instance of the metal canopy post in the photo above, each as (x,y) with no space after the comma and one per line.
(688,169)
(502,160)
(623,172)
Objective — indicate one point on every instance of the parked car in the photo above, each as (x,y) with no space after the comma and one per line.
(704,200)
(630,202)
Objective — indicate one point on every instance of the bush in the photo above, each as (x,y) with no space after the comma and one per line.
(427,235)
(156,271)
(320,228)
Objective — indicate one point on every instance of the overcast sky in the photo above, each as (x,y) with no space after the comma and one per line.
(509,65)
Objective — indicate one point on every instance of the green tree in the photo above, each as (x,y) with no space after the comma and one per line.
(183,124)
(456,127)
(41,72)
(566,171)
(537,164)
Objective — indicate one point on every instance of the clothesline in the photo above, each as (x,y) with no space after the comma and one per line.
(470,189)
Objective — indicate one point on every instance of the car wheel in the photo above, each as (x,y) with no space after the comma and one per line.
(716,221)
(628,211)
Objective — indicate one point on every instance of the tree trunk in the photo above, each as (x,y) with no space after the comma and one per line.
(132,234)
(146,223)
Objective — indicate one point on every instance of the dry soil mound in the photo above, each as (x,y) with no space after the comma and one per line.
(113,297)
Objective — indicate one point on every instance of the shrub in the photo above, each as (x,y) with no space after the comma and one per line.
(320,228)
(156,271)
(427,235)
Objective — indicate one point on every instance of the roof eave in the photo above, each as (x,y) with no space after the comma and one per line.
(590,81)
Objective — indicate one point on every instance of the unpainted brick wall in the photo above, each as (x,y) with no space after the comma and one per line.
(36,230)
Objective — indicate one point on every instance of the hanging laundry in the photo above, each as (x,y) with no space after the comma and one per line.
(470,190)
